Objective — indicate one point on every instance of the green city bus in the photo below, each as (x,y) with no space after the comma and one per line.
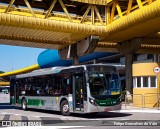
(74,89)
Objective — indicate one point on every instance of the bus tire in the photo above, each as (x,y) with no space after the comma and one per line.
(24,104)
(64,108)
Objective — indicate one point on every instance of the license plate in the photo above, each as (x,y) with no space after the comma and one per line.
(107,109)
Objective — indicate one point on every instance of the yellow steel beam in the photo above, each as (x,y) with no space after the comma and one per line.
(50,8)
(49,25)
(9,6)
(145,17)
(114,45)
(92,15)
(85,14)
(134,8)
(112,31)
(29,7)
(107,15)
(129,7)
(113,11)
(118,9)
(150,1)
(139,3)
(65,10)
(98,14)
(23,70)
(32,39)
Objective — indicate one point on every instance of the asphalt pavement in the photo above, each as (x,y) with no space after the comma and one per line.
(119,119)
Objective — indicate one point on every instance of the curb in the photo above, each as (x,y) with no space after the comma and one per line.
(140,111)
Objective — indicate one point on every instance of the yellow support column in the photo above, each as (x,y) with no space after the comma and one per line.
(9,6)
(107,15)
(65,10)
(119,9)
(129,6)
(50,8)
(98,14)
(139,3)
(150,1)
(29,7)
(113,11)
(85,14)
(92,15)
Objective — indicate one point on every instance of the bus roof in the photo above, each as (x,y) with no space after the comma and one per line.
(53,70)
(45,71)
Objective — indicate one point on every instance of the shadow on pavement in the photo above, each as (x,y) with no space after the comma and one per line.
(6,106)
(102,115)
(88,116)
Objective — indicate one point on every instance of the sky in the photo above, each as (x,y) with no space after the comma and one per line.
(15,57)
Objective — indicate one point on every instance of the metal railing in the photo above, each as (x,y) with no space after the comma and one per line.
(129,98)
(148,100)
(152,99)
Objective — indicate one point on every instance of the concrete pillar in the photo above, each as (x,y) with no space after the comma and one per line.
(155,58)
(128,67)
(76,60)
(74,54)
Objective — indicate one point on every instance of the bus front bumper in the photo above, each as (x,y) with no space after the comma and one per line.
(109,108)
(105,108)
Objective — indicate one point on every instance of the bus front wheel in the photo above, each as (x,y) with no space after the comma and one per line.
(24,104)
(65,108)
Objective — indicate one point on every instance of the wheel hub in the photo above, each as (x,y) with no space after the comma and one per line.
(24,105)
(65,108)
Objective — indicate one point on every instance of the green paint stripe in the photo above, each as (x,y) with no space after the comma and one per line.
(12,101)
(35,102)
(30,102)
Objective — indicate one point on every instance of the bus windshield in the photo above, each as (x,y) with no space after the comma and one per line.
(103,84)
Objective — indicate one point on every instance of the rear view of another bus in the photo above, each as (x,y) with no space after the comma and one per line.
(105,89)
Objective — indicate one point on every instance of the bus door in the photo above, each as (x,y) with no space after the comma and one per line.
(16,93)
(78,92)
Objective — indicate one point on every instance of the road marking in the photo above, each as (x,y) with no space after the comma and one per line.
(24,118)
(17,114)
(6,118)
(50,120)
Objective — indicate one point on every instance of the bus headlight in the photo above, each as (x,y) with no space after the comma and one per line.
(92,102)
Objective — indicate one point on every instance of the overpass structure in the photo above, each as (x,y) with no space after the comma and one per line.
(125,26)
(55,24)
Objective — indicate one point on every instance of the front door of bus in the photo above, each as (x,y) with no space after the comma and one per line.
(78,92)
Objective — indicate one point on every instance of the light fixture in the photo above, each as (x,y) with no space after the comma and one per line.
(70,5)
(38,0)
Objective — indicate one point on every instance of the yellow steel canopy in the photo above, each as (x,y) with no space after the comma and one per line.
(58,23)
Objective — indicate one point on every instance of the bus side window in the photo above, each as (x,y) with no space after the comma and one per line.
(67,84)
(57,85)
